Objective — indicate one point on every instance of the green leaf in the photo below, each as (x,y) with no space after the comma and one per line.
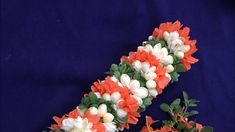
(114,67)
(174,76)
(94,105)
(192,102)
(185,95)
(137,76)
(175,103)
(207,129)
(165,107)
(191,113)
(176,60)
(92,96)
(147,101)
(86,100)
(163,43)
(117,74)
(81,106)
(180,126)
(179,68)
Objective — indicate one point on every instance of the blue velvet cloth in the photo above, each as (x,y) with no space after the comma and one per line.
(52,52)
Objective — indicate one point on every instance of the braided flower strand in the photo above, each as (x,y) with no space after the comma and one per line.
(130,86)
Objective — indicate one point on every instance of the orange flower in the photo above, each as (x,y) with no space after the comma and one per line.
(169,27)
(149,122)
(132,118)
(188,59)
(106,86)
(58,121)
(129,104)
(183,33)
(161,79)
(98,127)
(109,86)
(199,126)
(142,56)
(95,120)
(73,114)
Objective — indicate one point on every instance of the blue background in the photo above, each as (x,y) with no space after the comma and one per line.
(52,51)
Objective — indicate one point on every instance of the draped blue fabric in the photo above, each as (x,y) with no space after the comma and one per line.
(52,52)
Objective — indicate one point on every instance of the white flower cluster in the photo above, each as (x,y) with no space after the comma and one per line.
(106,117)
(176,43)
(83,125)
(160,53)
(134,85)
(76,125)
(148,72)
(115,97)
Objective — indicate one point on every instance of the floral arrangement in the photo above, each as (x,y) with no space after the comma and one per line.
(116,102)
(179,118)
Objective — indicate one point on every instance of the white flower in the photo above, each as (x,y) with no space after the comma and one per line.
(148,47)
(167,60)
(150,75)
(168,75)
(114,107)
(102,109)
(151,84)
(137,65)
(120,85)
(134,84)
(150,37)
(184,48)
(179,54)
(113,78)
(93,110)
(138,99)
(162,54)
(67,124)
(145,67)
(115,96)
(169,68)
(152,69)
(176,44)
(166,35)
(173,35)
(125,79)
(157,46)
(153,92)
(140,92)
(76,125)
(106,97)
(98,95)
(110,127)
(141,47)
(121,113)
(108,117)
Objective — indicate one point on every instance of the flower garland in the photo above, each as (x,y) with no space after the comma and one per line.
(179,118)
(116,102)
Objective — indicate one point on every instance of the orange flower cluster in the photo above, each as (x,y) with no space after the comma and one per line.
(94,119)
(127,103)
(183,33)
(142,56)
